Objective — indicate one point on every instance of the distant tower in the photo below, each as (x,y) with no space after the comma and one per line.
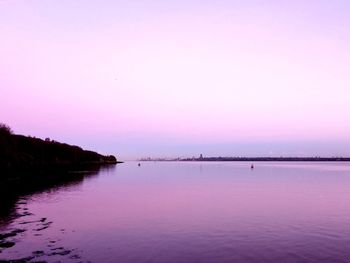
(201,157)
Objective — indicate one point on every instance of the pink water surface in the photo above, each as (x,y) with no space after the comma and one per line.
(193,212)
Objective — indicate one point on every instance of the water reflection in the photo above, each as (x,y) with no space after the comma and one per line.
(10,195)
(192,212)
(16,220)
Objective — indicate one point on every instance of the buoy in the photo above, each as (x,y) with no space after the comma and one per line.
(252,166)
(139,164)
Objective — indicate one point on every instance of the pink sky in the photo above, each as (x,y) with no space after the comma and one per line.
(139,78)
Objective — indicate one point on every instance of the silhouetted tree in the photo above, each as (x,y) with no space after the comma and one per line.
(5,129)
(20,153)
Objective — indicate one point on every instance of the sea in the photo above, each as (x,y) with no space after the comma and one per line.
(186,212)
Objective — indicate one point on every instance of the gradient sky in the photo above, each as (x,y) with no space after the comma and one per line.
(179,78)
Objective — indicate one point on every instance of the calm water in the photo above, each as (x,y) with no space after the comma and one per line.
(191,212)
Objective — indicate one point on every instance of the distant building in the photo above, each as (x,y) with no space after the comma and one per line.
(201,157)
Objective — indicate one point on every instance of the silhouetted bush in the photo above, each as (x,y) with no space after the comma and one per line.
(5,129)
(21,153)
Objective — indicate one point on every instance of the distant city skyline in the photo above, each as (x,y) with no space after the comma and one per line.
(179,78)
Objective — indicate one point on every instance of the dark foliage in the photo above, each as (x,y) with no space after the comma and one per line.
(19,153)
(4,129)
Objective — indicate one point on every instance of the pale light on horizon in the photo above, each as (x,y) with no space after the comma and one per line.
(159,78)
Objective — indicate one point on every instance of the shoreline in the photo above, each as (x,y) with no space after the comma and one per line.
(253,159)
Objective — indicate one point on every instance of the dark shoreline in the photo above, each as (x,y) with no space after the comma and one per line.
(26,158)
(254,159)
(30,165)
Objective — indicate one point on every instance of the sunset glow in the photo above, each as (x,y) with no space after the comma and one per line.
(179,78)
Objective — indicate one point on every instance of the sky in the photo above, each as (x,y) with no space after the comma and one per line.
(179,78)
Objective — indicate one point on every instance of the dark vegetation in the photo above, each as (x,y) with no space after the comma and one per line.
(23,157)
(31,165)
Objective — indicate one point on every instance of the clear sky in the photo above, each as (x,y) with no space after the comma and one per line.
(179,78)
